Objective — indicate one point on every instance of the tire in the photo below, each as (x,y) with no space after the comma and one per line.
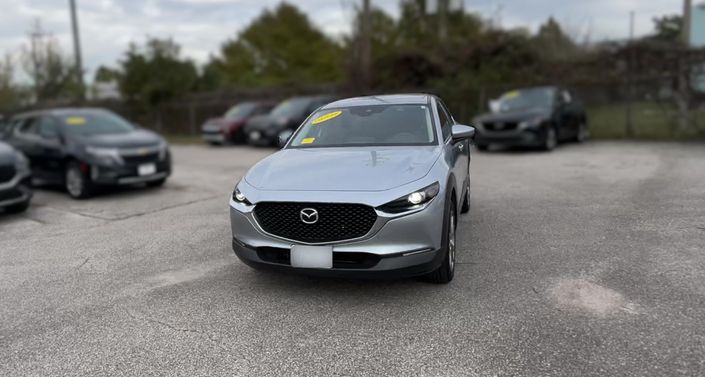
(17,208)
(550,140)
(466,202)
(445,272)
(77,183)
(583,133)
(157,183)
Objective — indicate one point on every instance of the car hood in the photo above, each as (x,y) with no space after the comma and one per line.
(7,154)
(342,169)
(514,116)
(134,139)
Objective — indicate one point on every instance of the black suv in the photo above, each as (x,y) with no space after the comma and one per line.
(537,117)
(83,148)
(15,180)
(280,124)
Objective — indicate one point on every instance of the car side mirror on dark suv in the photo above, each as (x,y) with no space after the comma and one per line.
(461,131)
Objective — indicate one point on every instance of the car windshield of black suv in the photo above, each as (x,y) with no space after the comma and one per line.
(527,99)
(94,123)
(380,125)
(291,108)
(240,111)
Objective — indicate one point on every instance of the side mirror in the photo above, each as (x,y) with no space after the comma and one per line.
(283,138)
(494,105)
(461,132)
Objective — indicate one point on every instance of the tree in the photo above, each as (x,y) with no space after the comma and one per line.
(553,43)
(51,72)
(280,47)
(11,95)
(155,73)
(668,28)
(106,74)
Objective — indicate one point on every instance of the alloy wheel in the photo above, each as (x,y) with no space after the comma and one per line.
(74,182)
(451,242)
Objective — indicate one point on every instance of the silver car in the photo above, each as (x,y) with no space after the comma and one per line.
(366,187)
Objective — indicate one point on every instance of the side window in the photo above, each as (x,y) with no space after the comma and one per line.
(446,120)
(27,126)
(48,128)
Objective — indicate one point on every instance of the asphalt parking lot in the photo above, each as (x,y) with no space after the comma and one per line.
(586,261)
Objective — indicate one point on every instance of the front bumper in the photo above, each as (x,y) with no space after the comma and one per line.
(128,174)
(16,191)
(526,137)
(396,246)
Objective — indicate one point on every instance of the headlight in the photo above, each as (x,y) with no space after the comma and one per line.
(412,201)
(21,164)
(105,155)
(163,150)
(239,197)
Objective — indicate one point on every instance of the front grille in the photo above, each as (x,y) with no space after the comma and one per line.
(336,221)
(501,126)
(140,159)
(7,173)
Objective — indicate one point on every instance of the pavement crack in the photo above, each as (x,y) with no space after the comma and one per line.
(165,208)
(83,263)
(208,336)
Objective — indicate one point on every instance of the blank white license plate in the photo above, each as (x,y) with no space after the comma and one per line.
(146,169)
(312,256)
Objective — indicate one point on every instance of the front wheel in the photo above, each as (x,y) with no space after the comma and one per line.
(583,133)
(551,140)
(77,183)
(445,272)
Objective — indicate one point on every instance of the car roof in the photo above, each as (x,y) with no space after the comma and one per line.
(388,99)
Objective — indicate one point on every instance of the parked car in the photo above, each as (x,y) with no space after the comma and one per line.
(366,187)
(15,180)
(533,117)
(229,127)
(84,148)
(282,120)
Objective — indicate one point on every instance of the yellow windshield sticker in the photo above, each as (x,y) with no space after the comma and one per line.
(75,121)
(512,94)
(326,117)
(308,140)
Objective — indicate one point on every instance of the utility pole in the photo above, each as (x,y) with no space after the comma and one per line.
(365,45)
(629,130)
(687,21)
(77,50)
(442,13)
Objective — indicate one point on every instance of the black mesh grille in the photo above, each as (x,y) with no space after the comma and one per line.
(151,157)
(336,221)
(7,173)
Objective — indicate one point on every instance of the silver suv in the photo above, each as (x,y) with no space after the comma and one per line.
(366,187)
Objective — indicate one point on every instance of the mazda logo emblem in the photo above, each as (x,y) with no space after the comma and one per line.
(309,216)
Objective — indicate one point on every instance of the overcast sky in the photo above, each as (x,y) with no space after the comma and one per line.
(200,26)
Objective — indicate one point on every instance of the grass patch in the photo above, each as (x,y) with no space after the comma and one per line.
(651,121)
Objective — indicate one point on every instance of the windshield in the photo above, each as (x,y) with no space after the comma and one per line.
(291,107)
(367,126)
(94,123)
(241,111)
(539,98)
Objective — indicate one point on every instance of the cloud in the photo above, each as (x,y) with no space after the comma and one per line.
(200,26)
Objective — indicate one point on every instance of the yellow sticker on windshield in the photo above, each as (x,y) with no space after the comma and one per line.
(75,121)
(511,95)
(308,140)
(327,117)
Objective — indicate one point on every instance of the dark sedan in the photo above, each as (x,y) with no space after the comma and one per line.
(84,148)
(15,180)
(534,117)
(267,130)
(229,127)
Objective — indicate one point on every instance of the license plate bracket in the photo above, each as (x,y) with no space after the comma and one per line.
(146,169)
(304,256)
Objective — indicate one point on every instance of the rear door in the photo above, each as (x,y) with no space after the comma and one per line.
(50,149)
